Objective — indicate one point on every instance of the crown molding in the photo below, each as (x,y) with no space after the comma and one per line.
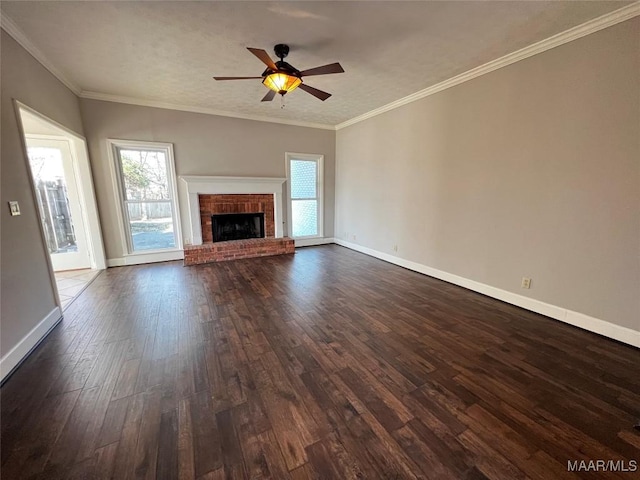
(592,26)
(9,26)
(105,97)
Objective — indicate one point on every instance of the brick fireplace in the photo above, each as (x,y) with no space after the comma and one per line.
(234,195)
(235,203)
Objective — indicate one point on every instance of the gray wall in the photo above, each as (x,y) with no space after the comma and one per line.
(532,170)
(27,292)
(203,145)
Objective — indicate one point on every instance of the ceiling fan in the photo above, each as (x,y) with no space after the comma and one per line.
(281,77)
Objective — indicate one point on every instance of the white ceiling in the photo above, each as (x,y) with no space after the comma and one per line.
(168,51)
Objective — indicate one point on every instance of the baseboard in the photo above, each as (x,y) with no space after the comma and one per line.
(140,258)
(592,324)
(31,340)
(309,242)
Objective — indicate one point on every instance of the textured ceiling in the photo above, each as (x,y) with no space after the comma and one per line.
(168,51)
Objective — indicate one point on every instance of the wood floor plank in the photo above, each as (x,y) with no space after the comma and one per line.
(277,403)
(206,437)
(24,396)
(327,364)
(386,415)
(43,429)
(422,454)
(113,423)
(273,456)
(329,459)
(487,460)
(253,457)
(167,462)
(444,445)
(149,436)
(186,465)
(229,441)
(126,379)
(68,443)
(105,461)
(126,453)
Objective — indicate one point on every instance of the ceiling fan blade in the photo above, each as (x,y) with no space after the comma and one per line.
(324,70)
(264,57)
(234,78)
(314,91)
(269,96)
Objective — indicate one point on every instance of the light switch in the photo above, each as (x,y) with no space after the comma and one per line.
(14,208)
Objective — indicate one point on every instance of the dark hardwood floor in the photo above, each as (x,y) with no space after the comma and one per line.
(328,364)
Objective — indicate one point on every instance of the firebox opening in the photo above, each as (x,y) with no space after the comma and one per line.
(237,226)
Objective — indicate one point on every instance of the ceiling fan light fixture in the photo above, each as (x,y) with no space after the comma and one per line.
(281,82)
(282,78)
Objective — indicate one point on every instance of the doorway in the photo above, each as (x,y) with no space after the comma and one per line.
(58,202)
(63,192)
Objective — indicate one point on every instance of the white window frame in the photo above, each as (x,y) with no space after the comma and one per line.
(118,185)
(319,159)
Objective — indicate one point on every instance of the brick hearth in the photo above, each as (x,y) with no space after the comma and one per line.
(236,249)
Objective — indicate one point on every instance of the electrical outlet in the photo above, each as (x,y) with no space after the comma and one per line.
(395,248)
(14,208)
(526,282)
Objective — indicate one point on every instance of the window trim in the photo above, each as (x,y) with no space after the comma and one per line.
(319,159)
(120,200)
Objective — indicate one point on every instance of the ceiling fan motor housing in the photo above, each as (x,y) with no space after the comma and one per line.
(281,50)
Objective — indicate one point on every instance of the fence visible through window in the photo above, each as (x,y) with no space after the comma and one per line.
(53,202)
(148,199)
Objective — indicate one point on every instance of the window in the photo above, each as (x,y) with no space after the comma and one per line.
(146,184)
(304,173)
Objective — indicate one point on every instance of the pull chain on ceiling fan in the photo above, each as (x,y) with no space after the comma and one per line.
(281,77)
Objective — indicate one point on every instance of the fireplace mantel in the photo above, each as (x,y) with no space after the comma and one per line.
(198,184)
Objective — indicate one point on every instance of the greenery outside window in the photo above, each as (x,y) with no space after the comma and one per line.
(146,185)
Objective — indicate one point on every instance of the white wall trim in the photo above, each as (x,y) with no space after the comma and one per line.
(592,324)
(309,242)
(17,354)
(141,258)
(9,26)
(212,185)
(105,97)
(90,203)
(592,26)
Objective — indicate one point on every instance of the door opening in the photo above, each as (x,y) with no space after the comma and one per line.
(63,192)
(58,202)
